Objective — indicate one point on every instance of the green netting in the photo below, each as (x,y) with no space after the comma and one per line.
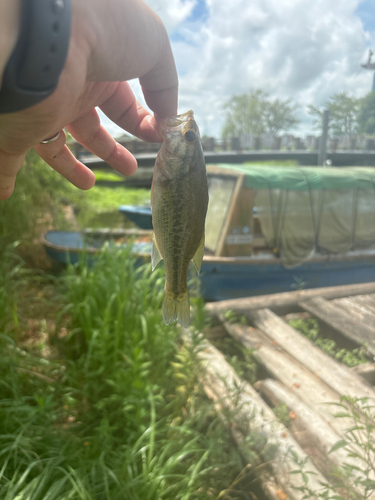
(305,178)
(303,210)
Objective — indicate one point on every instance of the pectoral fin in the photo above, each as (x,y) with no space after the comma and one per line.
(197,259)
(155,254)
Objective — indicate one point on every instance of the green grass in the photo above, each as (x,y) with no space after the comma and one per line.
(107,175)
(118,411)
(98,207)
(310,329)
(41,194)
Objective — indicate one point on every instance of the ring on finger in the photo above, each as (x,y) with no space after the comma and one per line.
(51,139)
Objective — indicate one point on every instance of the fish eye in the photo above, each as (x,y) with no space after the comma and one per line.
(189,136)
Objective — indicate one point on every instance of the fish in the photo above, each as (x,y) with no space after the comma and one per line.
(179,201)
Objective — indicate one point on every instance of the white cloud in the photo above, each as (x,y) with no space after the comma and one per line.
(300,48)
(172,12)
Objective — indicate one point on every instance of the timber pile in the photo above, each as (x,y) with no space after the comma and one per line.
(299,375)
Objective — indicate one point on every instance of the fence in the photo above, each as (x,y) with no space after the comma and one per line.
(250,142)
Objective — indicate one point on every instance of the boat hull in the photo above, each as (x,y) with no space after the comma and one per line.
(222,281)
(228,278)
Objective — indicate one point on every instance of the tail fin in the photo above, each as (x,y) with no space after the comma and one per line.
(176,307)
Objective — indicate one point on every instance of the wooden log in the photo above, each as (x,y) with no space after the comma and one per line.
(345,323)
(312,432)
(298,379)
(223,386)
(358,311)
(294,375)
(287,302)
(367,301)
(366,371)
(337,376)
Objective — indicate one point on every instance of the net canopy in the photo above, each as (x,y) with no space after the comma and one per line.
(303,210)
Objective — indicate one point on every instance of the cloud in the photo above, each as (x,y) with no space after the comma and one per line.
(172,12)
(307,50)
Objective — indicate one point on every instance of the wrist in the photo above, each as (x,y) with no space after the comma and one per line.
(10,15)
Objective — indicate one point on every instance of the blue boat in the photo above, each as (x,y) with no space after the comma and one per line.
(270,229)
(141,216)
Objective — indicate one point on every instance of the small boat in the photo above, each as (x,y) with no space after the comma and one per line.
(273,229)
(141,216)
(68,246)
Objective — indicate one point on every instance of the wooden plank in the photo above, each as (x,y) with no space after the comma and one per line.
(357,311)
(237,189)
(287,302)
(366,371)
(367,301)
(336,317)
(241,220)
(294,375)
(223,386)
(311,431)
(340,378)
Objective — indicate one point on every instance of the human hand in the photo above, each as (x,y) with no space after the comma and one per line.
(111,42)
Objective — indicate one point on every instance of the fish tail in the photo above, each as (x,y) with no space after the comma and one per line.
(176,306)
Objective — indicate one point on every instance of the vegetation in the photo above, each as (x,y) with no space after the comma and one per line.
(310,329)
(256,113)
(117,412)
(343,110)
(41,197)
(99,399)
(358,443)
(366,115)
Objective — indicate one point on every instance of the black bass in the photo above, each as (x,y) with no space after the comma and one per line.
(179,200)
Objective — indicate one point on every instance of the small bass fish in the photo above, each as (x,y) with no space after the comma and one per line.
(179,199)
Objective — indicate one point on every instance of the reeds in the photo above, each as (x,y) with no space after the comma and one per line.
(118,413)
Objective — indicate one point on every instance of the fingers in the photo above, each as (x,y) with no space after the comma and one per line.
(59,157)
(162,102)
(160,85)
(124,110)
(88,131)
(9,167)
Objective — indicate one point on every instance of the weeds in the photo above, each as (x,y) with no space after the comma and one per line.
(119,412)
(310,328)
(359,443)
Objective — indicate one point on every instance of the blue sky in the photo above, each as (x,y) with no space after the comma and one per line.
(304,49)
(200,12)
(366,12)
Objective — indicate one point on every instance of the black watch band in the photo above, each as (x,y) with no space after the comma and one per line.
(32,72)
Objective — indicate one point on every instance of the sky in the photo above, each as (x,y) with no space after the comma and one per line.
(304,49)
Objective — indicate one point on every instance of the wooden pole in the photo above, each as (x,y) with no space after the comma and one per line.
(323,140)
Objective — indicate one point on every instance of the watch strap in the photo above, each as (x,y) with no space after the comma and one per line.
(33,69)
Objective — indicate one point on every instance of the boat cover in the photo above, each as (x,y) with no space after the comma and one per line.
(307,209)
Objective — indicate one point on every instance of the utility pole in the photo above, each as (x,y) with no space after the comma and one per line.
(322,155)
(371,66)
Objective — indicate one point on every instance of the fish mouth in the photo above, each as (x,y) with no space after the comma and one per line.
(183,122)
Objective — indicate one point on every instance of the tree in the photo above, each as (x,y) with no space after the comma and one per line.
(366,114)
(255,113)
(343,112)
(280,116)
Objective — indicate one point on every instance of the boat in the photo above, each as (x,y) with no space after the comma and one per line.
(273,229)
(141,216)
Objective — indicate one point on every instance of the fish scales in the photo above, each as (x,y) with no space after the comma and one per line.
(179,199)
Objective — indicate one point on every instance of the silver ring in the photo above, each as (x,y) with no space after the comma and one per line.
(51,139)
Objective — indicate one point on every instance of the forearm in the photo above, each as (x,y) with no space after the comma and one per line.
(9,30)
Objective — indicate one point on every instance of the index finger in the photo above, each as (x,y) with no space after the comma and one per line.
(162,102)
(160,84)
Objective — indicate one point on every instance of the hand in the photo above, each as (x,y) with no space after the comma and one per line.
(111,42)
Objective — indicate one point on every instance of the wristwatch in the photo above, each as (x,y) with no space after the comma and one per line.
(33,69)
